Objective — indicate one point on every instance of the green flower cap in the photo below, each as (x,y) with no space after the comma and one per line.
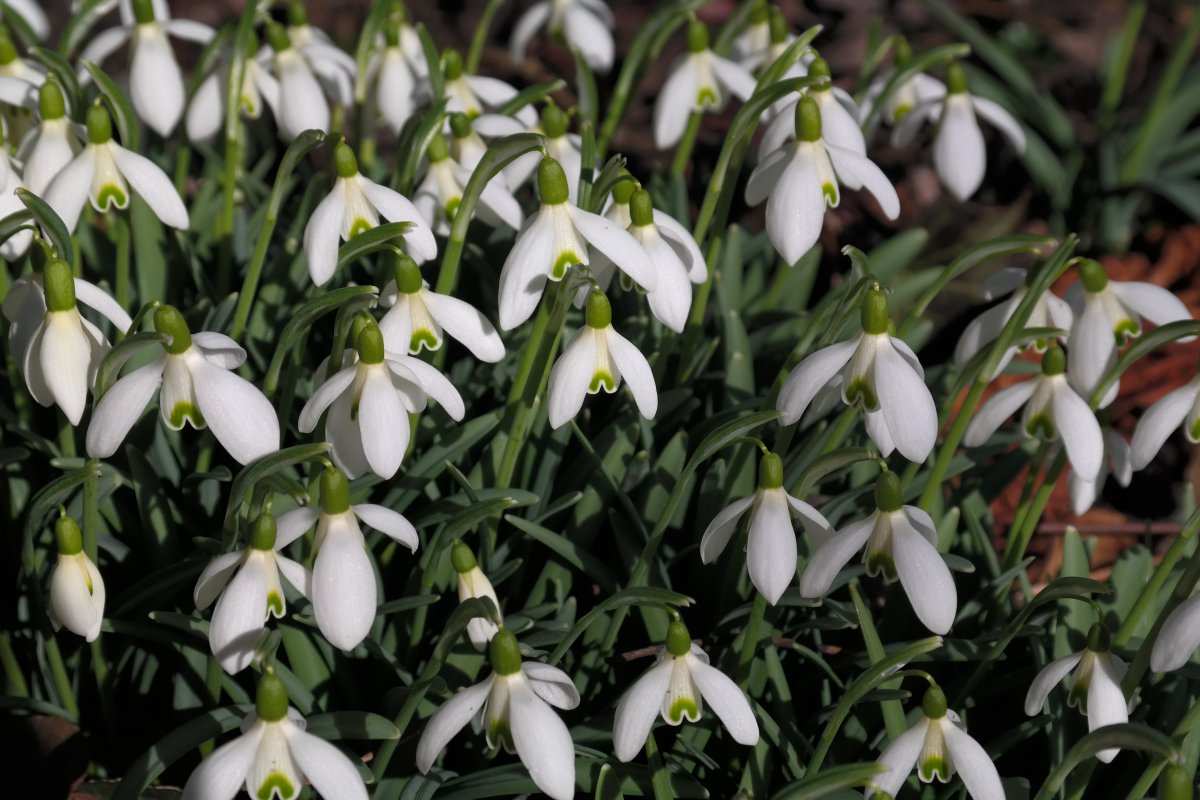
(888,495)
(263,535)
(956,79)
(679,640)
(143,11)
(875,312)
(272,700)
(819,68)
(599,311)
(1176,783)
(58,282)
(1098,639)
(344,160)
(70,538)
(335,491)
(462,557)
(408,275)
(504,653)
(391,32)
(808,120)
(438,150)
(552,182)
(778,26)
(452,64)
(641,208)
(51,103)
(277,37)
(297,14)
(8,49)
(99,124)
(168,320)
(759,12)
(697,36)
(770,471)
(554,122)
(934,703)
(460,125)
(904,52)
(370,344)
(1055,360)
(1093,275)
(622,193)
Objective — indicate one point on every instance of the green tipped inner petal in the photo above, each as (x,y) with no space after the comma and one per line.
(683,707)
(360,226)
(1125,330)
(452,208)
(705,98)
(861,392)
(275,605)
(934,766)
(1042,427)
(880,562)
(186,412)
(423,338)
(276,782)
(602,380)
(831,193)
(562,264)
(111,195)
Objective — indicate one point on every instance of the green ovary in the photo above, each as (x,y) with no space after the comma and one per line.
(1042,427)
(901,111)
(602,380)
(564,261)
(186,412)
(683,706)
(422,338)
(276,782)
(360,226)
(111,195)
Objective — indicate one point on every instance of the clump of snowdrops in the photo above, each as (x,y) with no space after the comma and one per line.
(375,429)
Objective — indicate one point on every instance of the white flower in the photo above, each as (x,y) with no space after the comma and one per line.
(474,94)
(104,172)
(917,91)
(52,145)
(900,542)
(199,387)
(771,547)
(274,756)
(335,69)
(752,46)
(1179,408)
(677,687)
(206,113)
(32,13)
(838,112)
(303,76)
(514,707)
(58,350)
(877,372)
(17,245)
(473,583)
(585,24)
(959,153)
(76,587)
(1117,460)
(598,358)
(418,317)
(155,81)
(393,79)
(556,238)
(700,82)
(354,205)
(1178,638)
(369,401)
(247,581)
(468,146)
(1095,687)
(1049,311)
(344,588)
(938,745)
(441,192)
(1053,411)
(801,178)
(1109,314)
(19,76)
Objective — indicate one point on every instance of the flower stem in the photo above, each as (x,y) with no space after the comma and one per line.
(752,634)
(12,669)
(958,429)
(66,436)
(683,152)
(233,157)
(91,509)
(660,776)
(58,674)
(1157,580)
(1014,549)
(245,302)
(121,233)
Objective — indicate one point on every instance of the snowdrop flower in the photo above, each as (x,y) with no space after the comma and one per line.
(274,756)
(1050,311)
(563,147)
(52,145)
(938,745)
(440,193)
(468,147)
(20,78)
(76,587)
(1095,687)
(104,172)
(1053,411)
(1178,638)
(474,94)
(900,542)
(33,15)
(585,24)
(369,402)
(751,46)
(343,580)
(556,238)
(353,206)
(514,705)
(919,90)
(199,387)
(1109,314)
(801,178)
(473,583)
(393,78)
(247,581)
(418,317)
(335,69)
(878,373)
(155,81)
(838,114)
(700,82)
(1179,408)
(206,114)
(596,359)
(959,153)
(1117,460)
(59,357)
(675,688)
(771,548)
(302,105)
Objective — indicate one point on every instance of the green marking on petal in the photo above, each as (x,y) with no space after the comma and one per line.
(1194,431)
(111,195)
(452,208)
(1042,427)
(564,262)
(683,706)
(602,380)
(1125,330)
(934,766)
(422,337)
(831,193)
(275,604)
(705,98)
(500,735)
(1077,696)
(901,111)
(275,782)
(186,412)
(880,562)
(360,226)
(860,391)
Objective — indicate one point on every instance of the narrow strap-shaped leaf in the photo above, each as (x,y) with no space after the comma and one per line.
(118,103)
(51,223)
(304,317)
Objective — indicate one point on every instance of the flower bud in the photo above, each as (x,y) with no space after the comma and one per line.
(1055,361)
(271,702)
(462,558)
(408,275)
(956,79)
(554,122)
(277,37)
(452,64)
(51,104)
(759,12)
(552,182)
(1093,275)
(622,193)
(875,312)
(297,14)
(143,11)
(778,26)
(641,208)
(263,536)
(59,284)
(808,120)
(344,160)
(504,653)
(438,150)
(679,640)
(99,124)
(819,68)
(934,703)
(599,311)
(888,495)
(460,125)
(370,344)
(335,492)
(168,320)
(70,538)
(770,471)
(697,36)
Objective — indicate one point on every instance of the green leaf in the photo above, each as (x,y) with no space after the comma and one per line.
(381,237)
(829,780)
(44,502)
(259,470)
(415,140)
(467,610)
(124,350)
(437,81)
(633,596)
(14,223)
(80,23)
(174,746)
(357,725)
(585,84)
(1128,736)
(304,317)
(63,73)
(574,555)
(119,106)
(530,95)
(51,223)
(1142,347)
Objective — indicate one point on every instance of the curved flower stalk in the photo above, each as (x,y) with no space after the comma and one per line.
(57,349)
(344,587)
(1050,311)
(771,547)
(939,746)
(900,543)
(31,12)
(877,373)
(839,115)
(474,94)
(555,239)
(369,401)
(799,179)
(1053,411)
(155,81)
(274,756)
(1109,314)
(52,145)
(104,172)
(206,113)
(918,91)
(515,706)
(1177,409)
(302,80)
(1095,687)
(700,82)
(417,318)
(336,70)
(440,193)
(585,24)
(199,387)
(596,359)
(246,587)
(676,688)
(473,583)
(392,76)
(959,152)
(1117,461)
(76,586)
(354,205)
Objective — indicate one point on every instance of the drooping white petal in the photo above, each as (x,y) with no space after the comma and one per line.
(222,774)
(635,371)
(388,522)
(551,684)
(295,523)
(448,720)
(323,397)
(152,185)
(593,38)
(814,523)
(974,765)
(302,104)
(395,207)
(1079,430)
(65,353)
(394,95)
(206,112)
(1003,121)
(809,376)
(527,25)
(332,774)
(96,298)
(239,617)
(898,760)
(1119,456)
(617,245)
(999,407)
(1090,346)
(384,423)
(570,377)
(68,192)
(1046,680)
(345,438)
(796,207)
(980,331)
(466,324)
(637,710)
(771,546)
(32,13)
(906,403)
(120,408)
(214,577)
(674,104)
(238,413)
(959,154)
(77,596)
(717,534)
(432,382)
(726,701)
(542,741)
(526,270)
(103,45)
(1154,303)
(155,81)
(189,30)
(1106,703)
(1159,421)
(296,574)
(53,149)
(829,558)
(684,245)
(344,592)
(925,577)
(766,175)
(855,169)
(1178,638)
(322,235)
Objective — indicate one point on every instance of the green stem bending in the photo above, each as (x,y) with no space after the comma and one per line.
(1019,538)
(752,635)
(121,235)
(683,152)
